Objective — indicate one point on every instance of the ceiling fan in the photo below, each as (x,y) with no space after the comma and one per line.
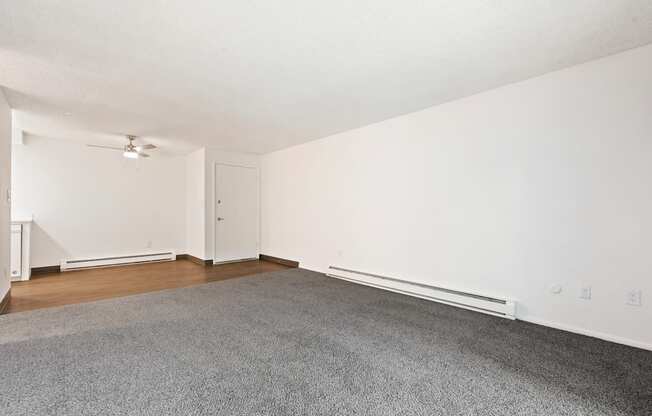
(130,150)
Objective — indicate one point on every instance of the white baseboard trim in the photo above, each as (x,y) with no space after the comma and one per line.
(118,260)
(478,302)
(587,332)
(544,322)
(416,295)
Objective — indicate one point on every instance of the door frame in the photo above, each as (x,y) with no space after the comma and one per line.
(214,213)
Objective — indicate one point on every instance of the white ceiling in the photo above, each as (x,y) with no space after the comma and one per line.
(261,75)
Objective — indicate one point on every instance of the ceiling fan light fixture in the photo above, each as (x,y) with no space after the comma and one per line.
(130,150)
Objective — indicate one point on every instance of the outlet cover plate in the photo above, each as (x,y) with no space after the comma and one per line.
(585,293)
(635,297)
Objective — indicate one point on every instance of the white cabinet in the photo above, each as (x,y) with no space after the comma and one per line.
(16,251)
(20,248)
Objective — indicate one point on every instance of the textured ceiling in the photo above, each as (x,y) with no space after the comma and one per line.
(261,75)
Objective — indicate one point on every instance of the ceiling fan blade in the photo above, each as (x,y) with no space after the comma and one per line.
(143,154)
(145,146)
(106,147)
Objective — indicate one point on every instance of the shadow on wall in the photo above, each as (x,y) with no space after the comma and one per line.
(46,251)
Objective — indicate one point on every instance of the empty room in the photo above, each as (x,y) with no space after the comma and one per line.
(216,207)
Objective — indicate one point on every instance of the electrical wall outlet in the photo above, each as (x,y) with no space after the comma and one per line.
(635,297)
(585,293)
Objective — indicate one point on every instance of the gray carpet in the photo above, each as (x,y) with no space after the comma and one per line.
(299,343)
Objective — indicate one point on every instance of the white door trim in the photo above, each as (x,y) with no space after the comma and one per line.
(214,213)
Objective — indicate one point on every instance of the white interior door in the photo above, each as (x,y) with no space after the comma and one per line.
(236,213)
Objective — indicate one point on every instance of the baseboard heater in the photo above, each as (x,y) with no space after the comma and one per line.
(76,264)
(504,308)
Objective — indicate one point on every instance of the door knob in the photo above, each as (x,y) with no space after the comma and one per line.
(220,219)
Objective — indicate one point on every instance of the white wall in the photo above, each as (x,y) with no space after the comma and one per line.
(5,184)
(93,202)
(507,192)
(83,203)
(196,204)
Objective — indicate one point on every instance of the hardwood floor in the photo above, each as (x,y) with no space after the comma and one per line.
(57,289)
